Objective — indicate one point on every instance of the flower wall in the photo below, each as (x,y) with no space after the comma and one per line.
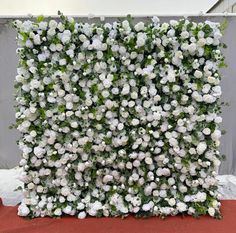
(118,118)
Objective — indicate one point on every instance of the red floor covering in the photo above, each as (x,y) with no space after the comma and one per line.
(11,223)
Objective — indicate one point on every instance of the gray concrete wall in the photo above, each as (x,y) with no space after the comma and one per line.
(9,153)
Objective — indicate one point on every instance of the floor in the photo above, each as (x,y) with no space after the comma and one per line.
(11,223)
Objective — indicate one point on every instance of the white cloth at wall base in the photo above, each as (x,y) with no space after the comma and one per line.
(9,182)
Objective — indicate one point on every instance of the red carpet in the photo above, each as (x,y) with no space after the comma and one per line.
(11,223)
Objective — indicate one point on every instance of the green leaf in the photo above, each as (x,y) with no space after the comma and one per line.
(207,30)
(42,113)
(130,19)
(40,18)
(88,146)
(222,65)
(223,25)
(49,87)
(224,46)
(55,157)
(94,88)
(19,188)
(61,108)
(107,140)
(25,36)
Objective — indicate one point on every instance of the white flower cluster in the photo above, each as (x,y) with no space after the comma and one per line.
(119,118)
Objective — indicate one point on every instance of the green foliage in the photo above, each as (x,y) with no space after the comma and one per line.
(223,25)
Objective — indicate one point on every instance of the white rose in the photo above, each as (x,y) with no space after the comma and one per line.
(198,74)
(43,25)
(192,48)
(81,167)
(59,47)
(125,25)
(141,39)
(23,210)
(62,62)
(52,23)
(148,160)
(216,135)
(42,57)
(211,211)
(171,202)
(135,122)
(155,20)
(201,197)
(156,134)
(67,209)
(69,105)
(65,37)
(97,44)
(34,84)
(211,79)
(173,142)
(201,147)
(115,91)
(148,206)
(206,88)
(39,152)
(40,189)
(126,89)
(65,191)
(134,95)
(33,133)
(139,26)
(175,88)
(218,120)
(120,126)
(201,42)
(82,215)
(107,83)
(80,206)
(58,212)
(209,40)
(74,124)
(206,131)
(181,207)
(107,178)
(209,98)
(171,181)
(184,34)
(171,76)
(37,39)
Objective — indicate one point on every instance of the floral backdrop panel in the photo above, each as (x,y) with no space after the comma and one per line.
(119,118)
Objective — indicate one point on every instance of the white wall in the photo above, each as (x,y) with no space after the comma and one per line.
(224,6)
(104,7)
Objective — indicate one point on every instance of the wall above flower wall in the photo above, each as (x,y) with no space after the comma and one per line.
(104,7)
